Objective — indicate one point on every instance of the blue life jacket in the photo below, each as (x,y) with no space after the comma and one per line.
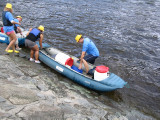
(34,35)
(6,22)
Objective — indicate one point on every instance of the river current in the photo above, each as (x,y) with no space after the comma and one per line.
(126,32)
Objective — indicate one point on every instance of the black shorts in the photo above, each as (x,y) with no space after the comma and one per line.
(90,58)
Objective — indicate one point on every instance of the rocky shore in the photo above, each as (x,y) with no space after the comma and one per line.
(30,91)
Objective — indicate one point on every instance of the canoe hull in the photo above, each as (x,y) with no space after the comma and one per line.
(5,39)
(75,76)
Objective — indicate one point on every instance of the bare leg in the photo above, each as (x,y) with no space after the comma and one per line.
(13,39)
(16,44)
(36,55)
(36,50)
(85,65)
(31,53)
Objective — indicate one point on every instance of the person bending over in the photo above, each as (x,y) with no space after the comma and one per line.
(88,47)
(34,35)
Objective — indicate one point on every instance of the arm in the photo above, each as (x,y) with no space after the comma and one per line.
(19,30)
(29,31)
(84,49)
(81,59)
(13,22)
(40,41)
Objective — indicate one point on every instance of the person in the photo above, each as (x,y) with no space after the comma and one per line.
(32,36)
(8,27)
(17,29)
(89,48)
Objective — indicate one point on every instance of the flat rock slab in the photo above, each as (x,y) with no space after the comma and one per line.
(41,111)
(18,95)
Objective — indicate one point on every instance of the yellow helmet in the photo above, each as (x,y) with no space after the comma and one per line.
(9,5)
(78,37)
(41,28)
(19,17)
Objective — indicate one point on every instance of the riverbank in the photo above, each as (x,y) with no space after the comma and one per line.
(32,91)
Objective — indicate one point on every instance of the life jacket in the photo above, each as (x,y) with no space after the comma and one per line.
(6,22)
(34,35)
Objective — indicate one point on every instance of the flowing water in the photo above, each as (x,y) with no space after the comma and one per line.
(126,33)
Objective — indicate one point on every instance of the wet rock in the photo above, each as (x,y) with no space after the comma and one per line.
(47,115)
(6,81)
(42,87)
(117,118)
(6,107)
(18,95)
(4,116)
(4,58)
(133,114)
(67,100)
(68,109)
(41,96)
(41,111)
(28,71)
(2,99)
(46,95)
(100,113)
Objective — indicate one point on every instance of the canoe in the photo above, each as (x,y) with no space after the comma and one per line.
(21,38)
(49,57)
(5,39)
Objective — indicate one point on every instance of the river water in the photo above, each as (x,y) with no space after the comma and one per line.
(126,33)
